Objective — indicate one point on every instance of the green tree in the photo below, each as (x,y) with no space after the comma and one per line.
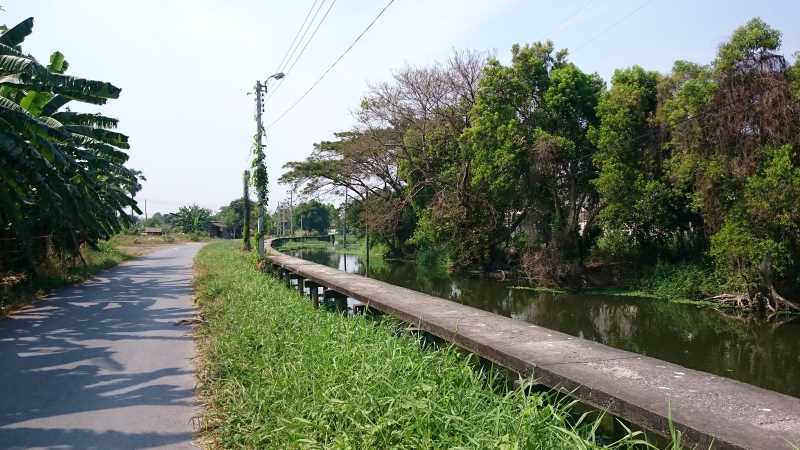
(192,219)
(739,160)
(637,198)
(157,220)
(232,216)
(404,158)
(314,216)
(532,155)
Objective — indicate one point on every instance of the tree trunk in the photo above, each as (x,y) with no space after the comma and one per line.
(767,288)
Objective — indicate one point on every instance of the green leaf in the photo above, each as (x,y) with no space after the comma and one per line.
(54,104)
(90,120)
(16,34)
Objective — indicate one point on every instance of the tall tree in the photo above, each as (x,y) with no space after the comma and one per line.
(735,135)
(532,155)
(404,150)
(233,217)
(637,198)
(314,216)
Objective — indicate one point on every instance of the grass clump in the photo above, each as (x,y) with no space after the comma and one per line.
(277,373)
(304,244)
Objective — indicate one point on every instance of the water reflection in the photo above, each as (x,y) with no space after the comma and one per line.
(742,348)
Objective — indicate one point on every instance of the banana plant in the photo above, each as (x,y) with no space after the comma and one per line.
(63,173)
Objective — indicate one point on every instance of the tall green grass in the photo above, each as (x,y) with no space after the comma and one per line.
(277,373)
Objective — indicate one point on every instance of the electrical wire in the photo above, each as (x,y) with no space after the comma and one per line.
(298,39)
(302,51)
(610,27)
(296,35)
(572,15)
(325,73)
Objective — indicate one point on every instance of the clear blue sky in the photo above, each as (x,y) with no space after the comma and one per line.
(185,66)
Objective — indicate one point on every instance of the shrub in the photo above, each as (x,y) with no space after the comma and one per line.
(680,281)
(617,244)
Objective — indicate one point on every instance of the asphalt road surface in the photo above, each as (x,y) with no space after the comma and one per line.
(106,364)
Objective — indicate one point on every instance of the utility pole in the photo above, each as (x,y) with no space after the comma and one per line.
(291,212)
(260,163)
(366,229)
(145,212)
(246,211)
(259,131)
(344,222)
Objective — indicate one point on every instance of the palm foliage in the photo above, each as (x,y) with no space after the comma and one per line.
(63,173)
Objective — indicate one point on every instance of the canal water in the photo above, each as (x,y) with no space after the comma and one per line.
(744,348)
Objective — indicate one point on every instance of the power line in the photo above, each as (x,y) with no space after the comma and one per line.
(303,50)
(613,25)
(314,33)
(298,39)
(324,74)
(296,35)
(573,14)
(305,32)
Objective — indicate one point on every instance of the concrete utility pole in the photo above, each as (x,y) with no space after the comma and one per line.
(366,232)
(291,212)
(260,90)
(344,222)
(246,211)
(259,132)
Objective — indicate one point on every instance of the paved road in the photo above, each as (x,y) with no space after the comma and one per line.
(103,365)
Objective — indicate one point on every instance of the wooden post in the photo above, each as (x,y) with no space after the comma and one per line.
(300,287)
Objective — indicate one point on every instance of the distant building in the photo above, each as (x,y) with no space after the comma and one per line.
(218,229)
(153,231)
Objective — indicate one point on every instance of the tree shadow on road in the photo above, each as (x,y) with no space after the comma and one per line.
(109,344)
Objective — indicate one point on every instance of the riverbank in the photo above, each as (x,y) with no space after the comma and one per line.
(688,283)
(277,373)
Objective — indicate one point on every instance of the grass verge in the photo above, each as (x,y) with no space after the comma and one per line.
(19,289)
(276,373)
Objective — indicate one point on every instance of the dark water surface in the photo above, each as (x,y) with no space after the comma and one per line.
(743,348)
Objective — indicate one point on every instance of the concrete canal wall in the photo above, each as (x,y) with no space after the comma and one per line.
(645,391)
